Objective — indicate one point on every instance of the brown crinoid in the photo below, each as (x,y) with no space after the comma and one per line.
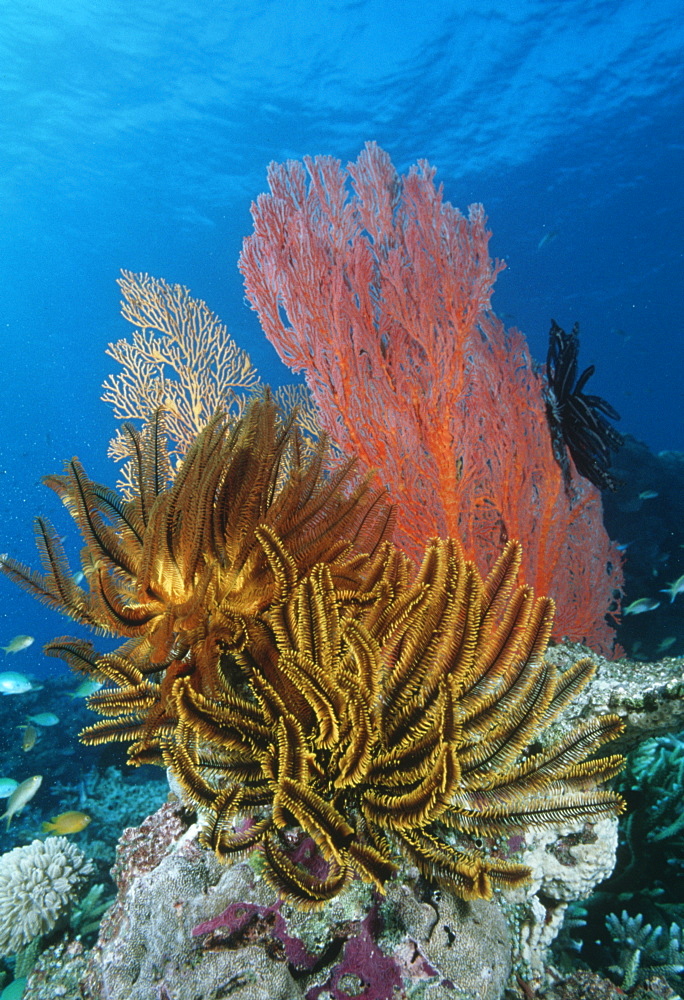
(300,679)
(170,569)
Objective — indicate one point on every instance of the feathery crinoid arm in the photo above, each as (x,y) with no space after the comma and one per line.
(184,568)
(465,692)
(55,587)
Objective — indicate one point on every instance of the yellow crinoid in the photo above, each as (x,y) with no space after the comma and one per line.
(301,679)
(378,727)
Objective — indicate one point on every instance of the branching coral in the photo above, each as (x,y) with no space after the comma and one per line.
(642,947)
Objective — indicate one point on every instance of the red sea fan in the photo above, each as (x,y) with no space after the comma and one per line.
(380,294)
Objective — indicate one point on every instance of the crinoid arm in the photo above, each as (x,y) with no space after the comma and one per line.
(411,714)
(578,421)
(293,882)
(471,874)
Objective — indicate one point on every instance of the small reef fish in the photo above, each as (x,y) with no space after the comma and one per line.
(667,643)
(674,588)
(22,794)
(29,738)
(7,786)
(547,238)
(67,822)
(640,606)
(648,495)
(18,643)
(44,719)
(13,683)
(85,689)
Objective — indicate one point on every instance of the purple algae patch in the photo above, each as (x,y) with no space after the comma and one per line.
(364,972)
(237,917)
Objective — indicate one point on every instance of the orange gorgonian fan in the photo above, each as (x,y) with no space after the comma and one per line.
(380,294)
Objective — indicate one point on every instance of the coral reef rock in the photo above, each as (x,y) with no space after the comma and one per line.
(584,985)
(566,863)
(57,973)
(648,697)
(185,925)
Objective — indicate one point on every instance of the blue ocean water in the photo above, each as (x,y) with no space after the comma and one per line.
(136,136)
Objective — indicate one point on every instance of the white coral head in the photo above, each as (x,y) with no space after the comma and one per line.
(38,884)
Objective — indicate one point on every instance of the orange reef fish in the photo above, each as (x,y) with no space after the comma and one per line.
(67,822)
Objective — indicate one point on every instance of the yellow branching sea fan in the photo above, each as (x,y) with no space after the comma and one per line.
(304,683)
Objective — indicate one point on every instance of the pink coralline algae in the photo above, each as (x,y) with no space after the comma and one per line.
(163,940)
(247,920)
(364,971)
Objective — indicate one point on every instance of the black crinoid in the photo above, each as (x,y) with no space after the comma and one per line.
(577,420)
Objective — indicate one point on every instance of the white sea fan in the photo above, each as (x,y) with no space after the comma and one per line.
(38,884)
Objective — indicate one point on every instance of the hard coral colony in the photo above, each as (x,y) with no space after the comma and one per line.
(300,676)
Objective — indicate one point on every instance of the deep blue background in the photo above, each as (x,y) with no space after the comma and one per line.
(136,134)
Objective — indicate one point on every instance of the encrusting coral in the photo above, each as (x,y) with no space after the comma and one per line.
(301,679)
(39,882)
